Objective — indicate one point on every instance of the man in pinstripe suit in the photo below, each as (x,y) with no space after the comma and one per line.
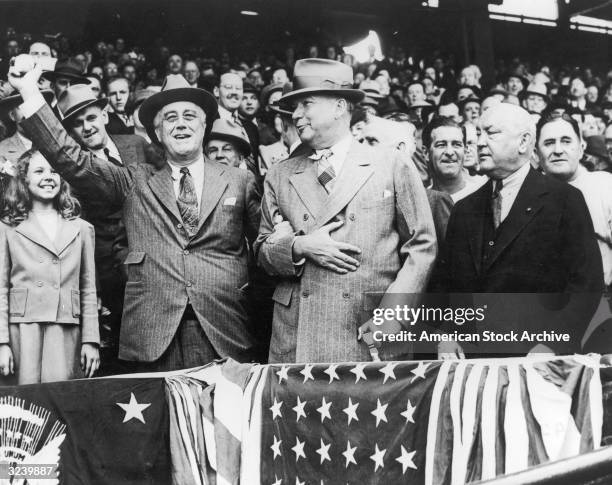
(186,224)
(340,221)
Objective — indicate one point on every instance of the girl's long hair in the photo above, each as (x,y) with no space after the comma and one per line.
(17,201)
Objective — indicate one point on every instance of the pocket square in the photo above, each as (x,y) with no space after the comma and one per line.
(387,194)
(230,201)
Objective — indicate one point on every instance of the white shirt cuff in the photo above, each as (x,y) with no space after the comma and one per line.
(32,105)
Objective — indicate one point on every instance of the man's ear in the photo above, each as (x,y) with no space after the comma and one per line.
(401,146)
(105,116)
(216,92)
(525,142)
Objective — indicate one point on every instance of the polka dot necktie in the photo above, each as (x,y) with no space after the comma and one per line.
(188,202)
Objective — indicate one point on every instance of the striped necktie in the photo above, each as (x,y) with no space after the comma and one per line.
(325,170)
(187,201)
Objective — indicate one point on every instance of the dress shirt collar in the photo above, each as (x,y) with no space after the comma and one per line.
(112,150)
(339,151)
(196,169)
(226,114)
(515,179)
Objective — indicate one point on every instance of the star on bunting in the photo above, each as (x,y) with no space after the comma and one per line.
(298,449)
(409,413)
(299,409)
(377,458)
(276,448)
(324,451)
(420,371)
(276,412)
(388,371)
(358,371)
(307,372)
(133,410)
(283,373)
(324,410)
(351,411)
(331,372)
(379,412)
(349,454)
(406,460)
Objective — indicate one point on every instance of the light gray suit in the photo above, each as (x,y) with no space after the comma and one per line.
(381,199)
(166,268)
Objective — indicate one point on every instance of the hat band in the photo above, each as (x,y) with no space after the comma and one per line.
(73,109)
(309,82)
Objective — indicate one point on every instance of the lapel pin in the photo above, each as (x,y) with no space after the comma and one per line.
(528,209)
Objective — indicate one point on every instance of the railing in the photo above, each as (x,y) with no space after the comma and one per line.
(590,468)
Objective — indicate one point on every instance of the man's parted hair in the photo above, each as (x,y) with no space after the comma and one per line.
(437,122)
(552,116)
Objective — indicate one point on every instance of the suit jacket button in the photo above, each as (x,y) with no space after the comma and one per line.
(305,294)
(186,251)
(55,261)
(346,294)
(39,283)
(179,226)
(491,243)
(56,286)
(351,216)
(306,217)
(188,284)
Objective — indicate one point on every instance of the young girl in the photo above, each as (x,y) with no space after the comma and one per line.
(48,305)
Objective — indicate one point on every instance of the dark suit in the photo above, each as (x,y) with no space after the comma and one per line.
(116,126)
(546,244)
(169,272)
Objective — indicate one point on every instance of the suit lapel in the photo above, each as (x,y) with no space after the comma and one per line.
(32,230)
(309,190)
(477,221)
(355,172)
(163,189)
(67,231)
(526,205)
(212,189)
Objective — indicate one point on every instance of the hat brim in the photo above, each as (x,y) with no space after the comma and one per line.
(10,102)
(52,76)
(354,95)
(151,106)
(277,109)
(523,94)
(243,145)
(101,103)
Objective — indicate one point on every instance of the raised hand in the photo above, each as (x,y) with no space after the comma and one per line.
(23,74)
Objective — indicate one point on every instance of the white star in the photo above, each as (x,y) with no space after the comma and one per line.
(278,481)
(324,451)
(349,454)
(307,372)
(276,409)
(331,372)
(388,371)
(379,412)
(297,481)
(406,460)
(133,410)
(408,414)
(299,409)
(377,458)
(324,410)
(276,448)
(420,371)
(351,411)
(358,371)
(298,449)
(283,373)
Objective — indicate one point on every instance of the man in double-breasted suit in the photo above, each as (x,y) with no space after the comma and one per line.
(341,221)
(521,232)
(186,225)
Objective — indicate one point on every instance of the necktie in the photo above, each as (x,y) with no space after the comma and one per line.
(496,202)
(110,158)
(187,201)
(325,170)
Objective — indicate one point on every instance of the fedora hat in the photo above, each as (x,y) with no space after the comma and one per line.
(323,76)
(77,98)
(535,88)
(69,68)
(175,88)
(10,102)
(267,91)
(229,131)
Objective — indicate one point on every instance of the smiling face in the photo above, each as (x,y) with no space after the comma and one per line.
(317,119)
(42,181)
(560,149)
(230,91)
(446,152)
(88,128)
(180,128)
